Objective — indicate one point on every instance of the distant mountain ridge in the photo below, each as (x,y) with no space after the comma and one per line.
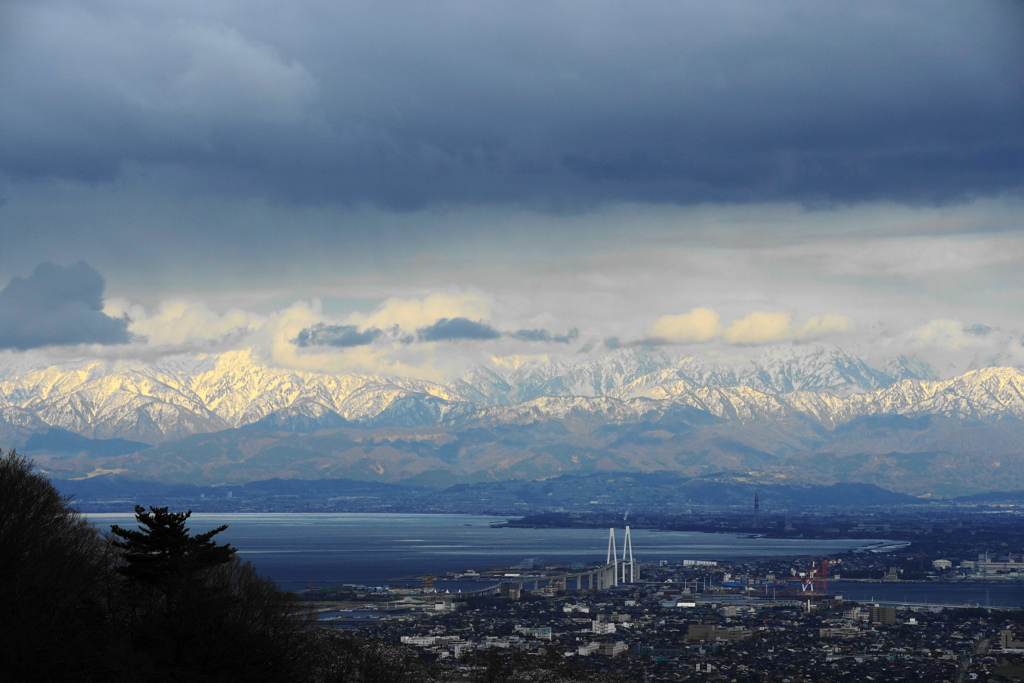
(615,492)
(187,395)
(815,408)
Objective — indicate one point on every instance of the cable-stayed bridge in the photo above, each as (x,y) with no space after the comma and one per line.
(617,570)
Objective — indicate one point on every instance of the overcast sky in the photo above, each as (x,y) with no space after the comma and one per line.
(413,186)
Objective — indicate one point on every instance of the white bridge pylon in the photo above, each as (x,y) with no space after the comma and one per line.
(626,570)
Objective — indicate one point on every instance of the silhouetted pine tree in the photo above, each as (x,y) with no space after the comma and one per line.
(198,613)
(162,554)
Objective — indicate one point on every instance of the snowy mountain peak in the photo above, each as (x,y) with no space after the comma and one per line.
(187,394)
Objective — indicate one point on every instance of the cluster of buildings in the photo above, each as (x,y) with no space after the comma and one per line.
(988,567)
(676,627)
(764,620)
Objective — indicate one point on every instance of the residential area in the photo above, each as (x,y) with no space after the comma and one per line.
(696,621)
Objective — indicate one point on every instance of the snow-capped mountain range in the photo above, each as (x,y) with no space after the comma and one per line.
(182,396)
(789,401)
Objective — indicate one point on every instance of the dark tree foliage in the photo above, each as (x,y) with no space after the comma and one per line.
(342,657)
(491,666)
(53,571)
(158,604)
(196,611)
(162,554)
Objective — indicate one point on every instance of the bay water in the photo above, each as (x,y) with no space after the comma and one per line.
(299,549)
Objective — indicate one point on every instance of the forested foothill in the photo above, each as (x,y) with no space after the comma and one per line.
(153,604)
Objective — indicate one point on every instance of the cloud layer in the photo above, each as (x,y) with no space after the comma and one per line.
(416,187)
(57,305)
(63,307)
(563,103)
(758,327)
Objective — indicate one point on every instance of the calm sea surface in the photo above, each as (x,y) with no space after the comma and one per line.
(297,548)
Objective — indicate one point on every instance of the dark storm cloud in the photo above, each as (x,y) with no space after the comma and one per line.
(57,306)
(336,335)
(451,329)
(550,104)
(544,336)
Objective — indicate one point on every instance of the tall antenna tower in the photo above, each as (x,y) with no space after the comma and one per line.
(757,511)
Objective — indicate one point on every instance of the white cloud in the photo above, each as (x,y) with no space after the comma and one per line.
(411,314)
(700,324)
(824,325)
(944,333)
(179,321)
(179,326)
(274,340)
(759,328)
